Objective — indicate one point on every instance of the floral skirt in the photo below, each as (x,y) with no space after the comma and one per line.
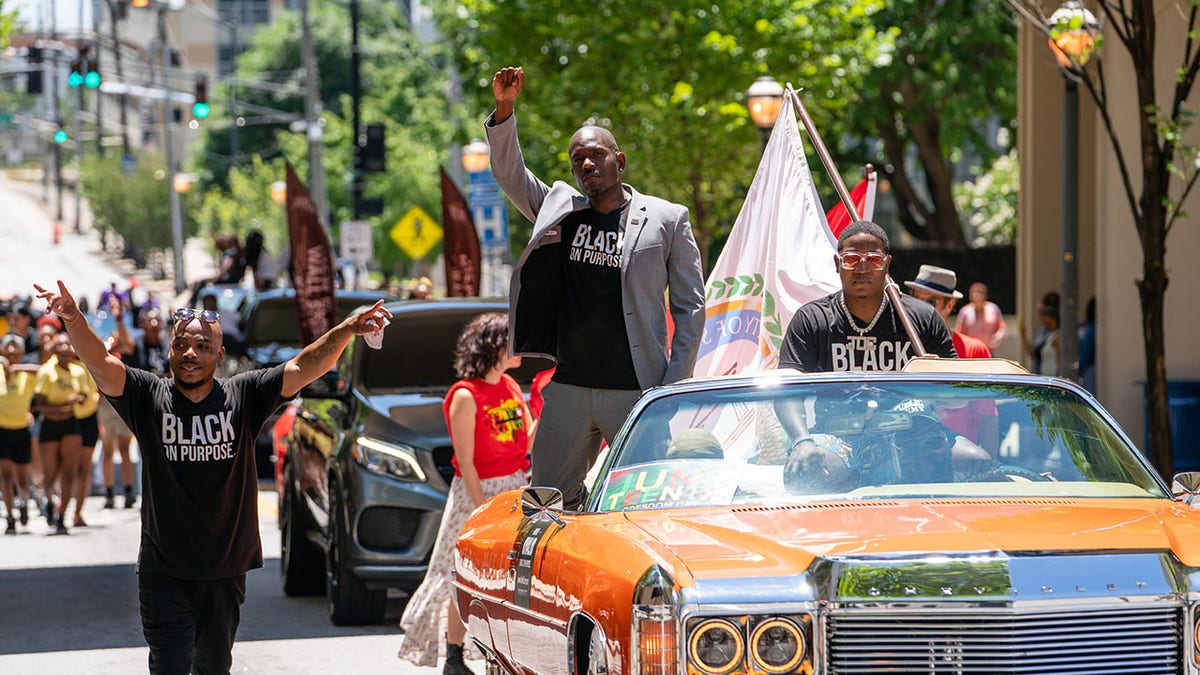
(424,619)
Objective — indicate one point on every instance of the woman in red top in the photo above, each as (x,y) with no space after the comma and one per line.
(491,431)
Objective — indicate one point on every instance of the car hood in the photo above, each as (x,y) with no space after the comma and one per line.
(415,416)
(786,540)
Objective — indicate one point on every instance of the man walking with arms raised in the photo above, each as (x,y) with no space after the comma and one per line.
(200,510)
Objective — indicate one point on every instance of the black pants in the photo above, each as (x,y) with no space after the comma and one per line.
(190,625)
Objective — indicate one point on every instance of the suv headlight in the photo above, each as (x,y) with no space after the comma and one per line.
(394,460)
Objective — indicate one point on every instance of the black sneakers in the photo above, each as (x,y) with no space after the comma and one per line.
(60,527)
(109,502)
(12,526)
(24,511)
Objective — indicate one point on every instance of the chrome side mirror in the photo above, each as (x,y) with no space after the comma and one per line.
(1186,487)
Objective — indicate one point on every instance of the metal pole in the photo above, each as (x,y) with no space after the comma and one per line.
(1068,339)
(58,120)
(356,184)
(78,159)
(126,151)
(79,145)
(168,113)
(312,115)
(236,24)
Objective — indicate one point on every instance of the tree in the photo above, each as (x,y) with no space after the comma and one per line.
(133,205)
(933,100)
(1167,162)
(669,79)
(404,88)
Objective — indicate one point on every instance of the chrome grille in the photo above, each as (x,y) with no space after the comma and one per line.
(1146,641)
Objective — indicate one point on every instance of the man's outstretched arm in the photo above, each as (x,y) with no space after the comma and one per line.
(317,358)
(106,369)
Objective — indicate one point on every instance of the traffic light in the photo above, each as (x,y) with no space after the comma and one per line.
(85,70)
(373,151)
(60,136)
(200,109)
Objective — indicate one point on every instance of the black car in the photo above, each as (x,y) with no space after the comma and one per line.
(367,467)
(272,336)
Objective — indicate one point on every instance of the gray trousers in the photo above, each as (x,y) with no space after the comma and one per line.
(573,423)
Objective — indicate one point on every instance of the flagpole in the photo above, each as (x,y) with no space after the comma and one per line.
(891,289)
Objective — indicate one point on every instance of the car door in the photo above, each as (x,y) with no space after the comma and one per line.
(537,629)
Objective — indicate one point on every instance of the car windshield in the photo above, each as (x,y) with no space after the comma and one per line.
(419,353)
(838,440)
(275,320)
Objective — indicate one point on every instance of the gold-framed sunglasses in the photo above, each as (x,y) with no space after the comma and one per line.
(205,315)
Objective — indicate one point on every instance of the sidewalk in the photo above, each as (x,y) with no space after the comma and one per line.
(198,260)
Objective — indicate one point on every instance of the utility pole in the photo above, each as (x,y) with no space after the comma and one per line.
(58,120)
(356,185)
(124,100)
(168,114)
(312,117)
(79,126)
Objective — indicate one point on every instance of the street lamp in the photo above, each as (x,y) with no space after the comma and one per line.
(1073,34)
(764,98)
(476,156)
(279,192)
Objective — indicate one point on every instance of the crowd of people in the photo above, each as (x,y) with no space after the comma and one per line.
(52,416)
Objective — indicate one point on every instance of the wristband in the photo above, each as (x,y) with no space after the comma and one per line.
(798,441)
(77,316)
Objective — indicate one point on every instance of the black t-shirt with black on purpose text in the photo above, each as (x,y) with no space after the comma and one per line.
(819,338)
(593,343)
(199,480)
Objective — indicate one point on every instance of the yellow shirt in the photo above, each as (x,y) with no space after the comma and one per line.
(15,400)
(87,387)
(55,383)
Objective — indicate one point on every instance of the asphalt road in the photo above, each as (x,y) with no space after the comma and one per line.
(68,604)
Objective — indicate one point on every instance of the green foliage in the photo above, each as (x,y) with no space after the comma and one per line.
(8,19)
(931,100)
(135,205)
(404,88)
(991,202)
(669,78)
(246,205)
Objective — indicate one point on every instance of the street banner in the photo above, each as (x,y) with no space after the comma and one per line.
(312,262)
(778,257)
(460,243)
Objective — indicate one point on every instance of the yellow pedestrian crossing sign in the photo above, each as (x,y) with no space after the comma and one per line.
(416,233)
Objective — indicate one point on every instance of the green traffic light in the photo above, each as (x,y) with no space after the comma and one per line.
(74,79)
(60,136)
(92,80)
(200,110)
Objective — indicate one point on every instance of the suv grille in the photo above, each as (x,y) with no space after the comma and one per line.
(388,527)
(1137,640)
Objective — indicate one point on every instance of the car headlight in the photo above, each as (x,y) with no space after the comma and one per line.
(777,646)
(655,629)
(1196,637)
(393,460)
(716,646)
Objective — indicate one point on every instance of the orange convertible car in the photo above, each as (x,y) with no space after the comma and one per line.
(848,523)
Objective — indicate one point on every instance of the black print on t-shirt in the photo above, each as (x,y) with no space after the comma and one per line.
(200,438)
(866,352)
(601,248)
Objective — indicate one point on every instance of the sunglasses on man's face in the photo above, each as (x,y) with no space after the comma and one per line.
(205,315)
(853,260)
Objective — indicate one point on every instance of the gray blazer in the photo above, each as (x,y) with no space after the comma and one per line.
(660,263)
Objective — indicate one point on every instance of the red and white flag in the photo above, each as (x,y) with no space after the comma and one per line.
(778,257)
(838,218)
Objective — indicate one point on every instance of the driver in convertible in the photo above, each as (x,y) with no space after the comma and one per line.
(920,452)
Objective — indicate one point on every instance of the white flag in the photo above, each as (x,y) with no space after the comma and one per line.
(779,256)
